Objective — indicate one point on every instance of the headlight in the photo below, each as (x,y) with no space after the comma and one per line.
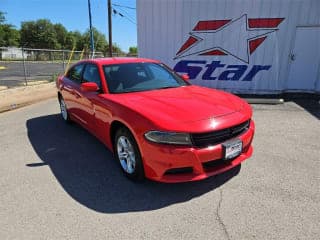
(168,137)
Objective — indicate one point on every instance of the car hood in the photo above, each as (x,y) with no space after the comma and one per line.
(180,105)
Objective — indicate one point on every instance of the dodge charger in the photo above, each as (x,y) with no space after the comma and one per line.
(157,124)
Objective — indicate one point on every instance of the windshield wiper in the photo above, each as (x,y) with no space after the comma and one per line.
(147,89)
(165,87)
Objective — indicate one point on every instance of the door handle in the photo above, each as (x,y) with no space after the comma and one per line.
(292,57)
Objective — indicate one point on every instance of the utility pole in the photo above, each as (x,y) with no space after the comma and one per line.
(91,33)
(110,27)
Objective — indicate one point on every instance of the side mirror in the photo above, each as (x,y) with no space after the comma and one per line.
(89,87)
(185,77)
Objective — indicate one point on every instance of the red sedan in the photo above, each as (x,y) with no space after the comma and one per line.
(157,124)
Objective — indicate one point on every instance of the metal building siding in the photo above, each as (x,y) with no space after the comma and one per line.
(164,25)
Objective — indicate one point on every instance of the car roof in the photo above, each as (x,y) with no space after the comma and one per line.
(117,60)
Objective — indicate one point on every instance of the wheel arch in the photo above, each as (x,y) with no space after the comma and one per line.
(115,125)
(139,172)
(59,95)
(139,126)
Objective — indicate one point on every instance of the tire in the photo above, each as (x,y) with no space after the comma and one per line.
(127,153)
(64,110)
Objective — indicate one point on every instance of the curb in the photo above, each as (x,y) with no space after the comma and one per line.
(14,98)
(20,105)
(272,101)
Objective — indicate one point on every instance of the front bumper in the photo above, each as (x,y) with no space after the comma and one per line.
(171,164)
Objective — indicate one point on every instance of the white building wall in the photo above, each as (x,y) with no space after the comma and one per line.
(164,26)
(11,53)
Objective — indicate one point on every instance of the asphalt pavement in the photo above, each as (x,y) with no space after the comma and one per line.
(12,73)
(59,182)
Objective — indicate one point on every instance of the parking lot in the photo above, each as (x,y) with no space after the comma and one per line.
(12,73)
(59,182)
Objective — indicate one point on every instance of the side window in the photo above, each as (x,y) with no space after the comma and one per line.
(74,73)
(91,74)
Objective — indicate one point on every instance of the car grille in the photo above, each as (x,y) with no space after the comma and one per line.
(216,137)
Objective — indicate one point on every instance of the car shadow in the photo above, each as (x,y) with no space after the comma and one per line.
(88,172)
(310,105)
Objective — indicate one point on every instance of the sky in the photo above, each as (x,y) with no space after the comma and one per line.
(73,14)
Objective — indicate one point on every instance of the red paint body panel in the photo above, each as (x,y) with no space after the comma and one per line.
(163,158)
(190,109)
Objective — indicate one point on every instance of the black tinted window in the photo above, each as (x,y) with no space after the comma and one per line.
(74,73)
(91,74)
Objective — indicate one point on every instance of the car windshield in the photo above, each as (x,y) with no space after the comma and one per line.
(136,77)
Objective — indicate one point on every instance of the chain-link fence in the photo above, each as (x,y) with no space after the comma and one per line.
(25,66)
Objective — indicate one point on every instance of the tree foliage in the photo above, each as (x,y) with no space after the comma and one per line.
(43,34)
(61,35)
(39,34)
(9,36)
(133,50)
(100,43)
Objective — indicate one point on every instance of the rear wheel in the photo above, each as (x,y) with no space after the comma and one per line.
(127,153)
(64,110)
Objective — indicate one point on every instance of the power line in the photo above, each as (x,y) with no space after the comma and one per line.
(115,11)
(128,14)
(118,5)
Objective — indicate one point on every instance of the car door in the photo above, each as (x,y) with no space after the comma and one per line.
(85,100)
(70,89)
(94,107)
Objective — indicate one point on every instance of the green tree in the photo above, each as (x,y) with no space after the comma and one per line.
(62,34)
(100,42)
(74,39)
(42,34)
(9,36)
(133,50)
(70,41)
(39,34)
(116,49)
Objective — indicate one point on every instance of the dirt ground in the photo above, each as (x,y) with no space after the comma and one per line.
(17,97)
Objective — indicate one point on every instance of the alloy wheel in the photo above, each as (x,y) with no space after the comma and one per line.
(126,154)
(63,109)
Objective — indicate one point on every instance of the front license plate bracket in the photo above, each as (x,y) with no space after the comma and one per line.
(231,149)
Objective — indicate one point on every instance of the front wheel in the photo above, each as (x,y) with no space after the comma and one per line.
(64,110)
(127,153)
